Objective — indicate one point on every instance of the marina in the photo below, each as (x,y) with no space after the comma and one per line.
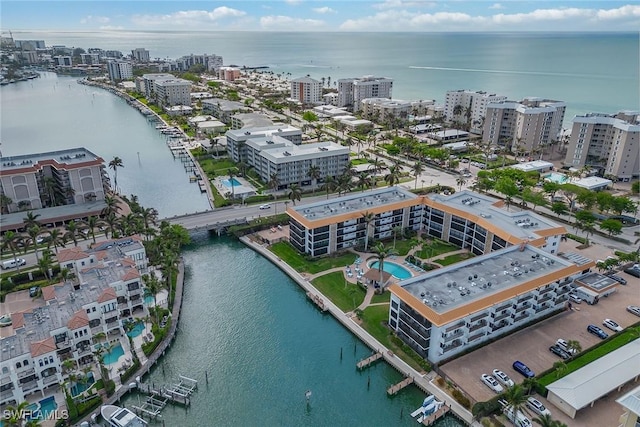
(395,389)
(365,363)
(158,398)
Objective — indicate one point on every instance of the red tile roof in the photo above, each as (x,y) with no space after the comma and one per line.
(107,295)
(39,348)
(71,254)
(49,292)
(131,274)
(78,320)
(17,320)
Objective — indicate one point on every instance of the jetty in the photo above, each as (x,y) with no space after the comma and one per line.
(157,398)
(430,419)
(365,363)
(394,389)
(319,302)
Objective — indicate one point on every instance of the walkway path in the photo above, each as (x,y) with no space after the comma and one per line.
(422,381)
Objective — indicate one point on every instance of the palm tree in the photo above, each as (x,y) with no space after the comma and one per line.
(393,177)
(45,263)
(364,180)
(381,253)
(91,224)
(149,217)
(13,415)
(274,183)
(169,262)
(31,219)
(314,173)
(460,181)
(397,229)
(5,202)
(560,367)
(151,288)
(515,397)
(56,238)
(417,170)
(33,232)
(73,232)
(10,241)
(574,346)
(329,185)
(368,218)
(295,193)
(546,421)
(231,177)
(115,164)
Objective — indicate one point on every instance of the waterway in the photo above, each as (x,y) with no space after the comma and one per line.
(262,344)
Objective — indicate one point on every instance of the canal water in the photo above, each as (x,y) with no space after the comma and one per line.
(245,325)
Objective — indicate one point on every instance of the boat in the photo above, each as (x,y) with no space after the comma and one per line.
(429,406)
(121,417)
(5,320)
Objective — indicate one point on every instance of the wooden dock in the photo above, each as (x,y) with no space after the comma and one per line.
(394,389)
(365,363)
(319,302)
(436,415)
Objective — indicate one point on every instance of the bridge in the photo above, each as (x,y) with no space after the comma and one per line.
(214,220)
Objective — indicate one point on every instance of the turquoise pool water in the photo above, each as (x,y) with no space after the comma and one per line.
(41,410)
(137,330)
(113,356)
(556,177)
(79,387)
(231,183)
(392,268)
(148,300)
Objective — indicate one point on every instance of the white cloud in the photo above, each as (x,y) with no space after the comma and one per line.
(288,23)
(90,19)
(628,11)
(496,6)
(190,18)
(395,4)
(111,27)
(293,2)
(323,10)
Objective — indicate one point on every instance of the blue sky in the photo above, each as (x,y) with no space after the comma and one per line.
(318,15)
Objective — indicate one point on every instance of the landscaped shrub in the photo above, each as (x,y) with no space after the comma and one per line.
(461,398)
(484,409)
(110,388)
(440,381)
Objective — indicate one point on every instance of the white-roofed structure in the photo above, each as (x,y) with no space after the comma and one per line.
(631,403)
(589,383)
(534,166)
(593,183)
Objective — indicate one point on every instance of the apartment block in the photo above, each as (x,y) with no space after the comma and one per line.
(166,89)
(474,102)
(63,61)
(383,108)
(78,315)
(66,177)
(609,143)
(119,70)
(90,58)
(228,74)
(306,90)
(223,109)
(524,125)
(237,138)
(140,55)
(352,91)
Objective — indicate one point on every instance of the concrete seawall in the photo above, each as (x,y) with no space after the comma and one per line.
(420,381)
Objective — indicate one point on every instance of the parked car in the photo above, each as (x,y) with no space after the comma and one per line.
(492,383)
(612,325)
(558,351)
(266,206)
(536,406)
(33,291)
(575,298)
(634,271)
(634,309)
(597,331)
(565,346)
(503,378)
(523,369)
(617,279)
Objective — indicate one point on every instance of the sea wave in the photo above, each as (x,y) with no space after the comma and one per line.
(532,73)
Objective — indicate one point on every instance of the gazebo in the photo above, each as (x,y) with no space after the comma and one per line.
(379,279)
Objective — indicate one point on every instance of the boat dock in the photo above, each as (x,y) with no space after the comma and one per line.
(365,363)
(317,301)
(429,420)
(157,399)
(394,389)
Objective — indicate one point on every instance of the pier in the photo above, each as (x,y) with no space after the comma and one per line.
(365,363)
(394,389)
(319,302)
(179,394)
(429,420)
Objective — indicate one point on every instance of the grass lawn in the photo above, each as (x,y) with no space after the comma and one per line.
(385,297)
(299,262)
(213,167)
(373,321)
(403,246)
(346,296)
(356,162)
(589,356)
(452,259)
(434,248)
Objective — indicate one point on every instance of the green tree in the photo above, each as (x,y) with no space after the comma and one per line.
(295,193)
(329,185)
(560,367)
(364,180)
(45,263)
(507,187)
(310,116)
(417,169)
(34,232)
(115,164)
(574,346)
(515,397)
(151,288)
(314,173)
(5,202)
(533,197)
(635,187)
(559,208)
(585,221)
(611,226)
(274,183)
(10,240)
(393,177)
(604,201)
(380,253)
(13,416)
(460,180)
(546,421)
(623,204)
(368,218)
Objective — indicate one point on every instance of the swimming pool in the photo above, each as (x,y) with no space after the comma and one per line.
(79,387)
(558,178)
(394,269)
(231,183)
(148,300)
(113,356)
(137,330)
(41,410)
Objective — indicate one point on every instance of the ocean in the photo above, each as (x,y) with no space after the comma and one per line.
(591,72)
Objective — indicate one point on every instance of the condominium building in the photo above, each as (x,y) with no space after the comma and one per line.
(228,74)
(237,138)
(525,125)
(290,163)
(447,311)
(90,58)
(140,55)
(630,402)
(606,142)
(36,181)
(165,89)
(306,90)
(211,62)
(471,104)
(352,91)
(470,220)
(63,61)
(222,108)
(119,70)
(77,316)
(384,108)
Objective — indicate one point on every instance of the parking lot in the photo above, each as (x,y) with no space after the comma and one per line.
(531,346)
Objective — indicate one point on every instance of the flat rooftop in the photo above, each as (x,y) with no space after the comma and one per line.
(533,166)
(462,283)
(53,214)
(596,281)
(73,156)
(355,202)
(518,223)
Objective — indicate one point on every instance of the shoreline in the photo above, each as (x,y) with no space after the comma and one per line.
(423,382)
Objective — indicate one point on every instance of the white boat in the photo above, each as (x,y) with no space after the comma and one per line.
(121,417)
(429,406)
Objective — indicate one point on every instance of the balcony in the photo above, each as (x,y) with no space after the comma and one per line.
(547,297)
(476,336)
(502,316)
(50,380)
(453,336)
(477,326)
(523,307)
(26,373)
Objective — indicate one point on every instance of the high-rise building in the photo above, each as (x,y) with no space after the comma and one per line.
(523,126)
(140,55)
(351,92)
(472,107)
(165,89)
(90,58)
(62,61)
(306,90)
(607,142)
(119,70)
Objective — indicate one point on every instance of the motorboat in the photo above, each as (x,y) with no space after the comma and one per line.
(117,416)
(429,406)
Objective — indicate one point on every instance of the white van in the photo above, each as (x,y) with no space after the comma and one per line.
(13,263)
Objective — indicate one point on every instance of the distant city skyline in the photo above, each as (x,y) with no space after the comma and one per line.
(319,15)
